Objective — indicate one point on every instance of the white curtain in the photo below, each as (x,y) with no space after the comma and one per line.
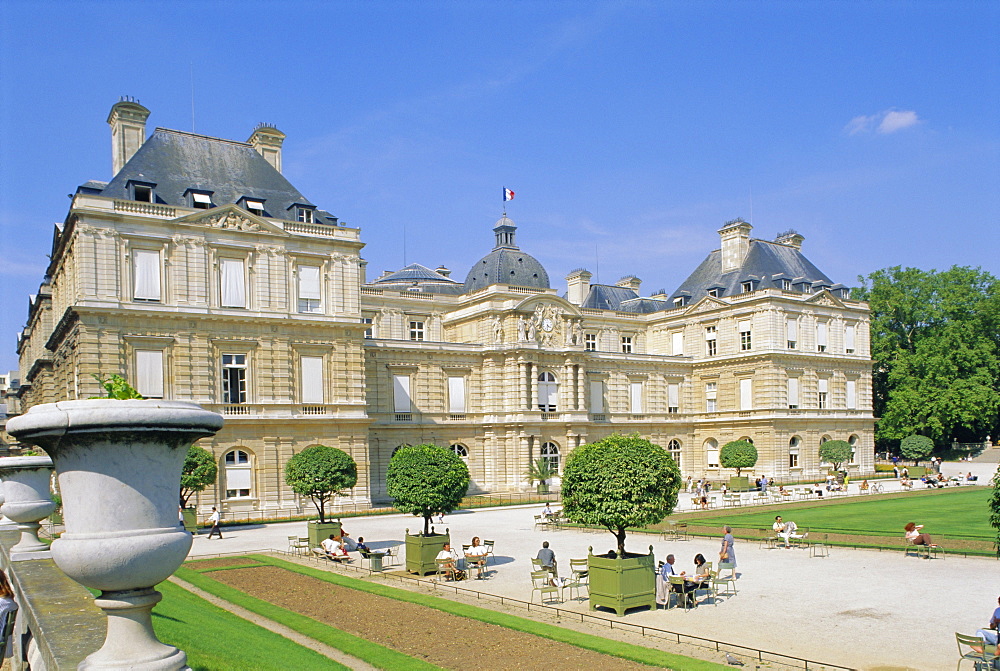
(456,395)
(792,326)
(597,396)
(149,373)
(852,394)
(849,338)
(312,379)
(678,343)
(793,391)
(147,274)
(233,283)
(401,393)
(821,334)
(673,395)
(743,326)
(824,385)
(746,394)
(309,282)
(635,398)
(238,477)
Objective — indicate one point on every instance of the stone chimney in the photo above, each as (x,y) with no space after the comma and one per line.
(578,286)
(629,282)
(363,270)
(128,131)
(442,270)
(266,140)
(735,236)
(790,238)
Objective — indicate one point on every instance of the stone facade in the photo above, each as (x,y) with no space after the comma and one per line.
(265,316)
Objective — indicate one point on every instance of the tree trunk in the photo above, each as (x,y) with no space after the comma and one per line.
(620,535)
(427,524)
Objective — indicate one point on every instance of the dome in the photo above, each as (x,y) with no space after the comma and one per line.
(414,273)
(506,264)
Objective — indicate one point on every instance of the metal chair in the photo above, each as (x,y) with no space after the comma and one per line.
(580,570)
(727,580)
(820,548)
(541,583)
(489,551)
(975,649)
(679,589)
(6,632)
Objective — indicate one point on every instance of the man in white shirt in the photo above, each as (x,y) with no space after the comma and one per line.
(476,556)
(214,519)
(448,560)
(989,634)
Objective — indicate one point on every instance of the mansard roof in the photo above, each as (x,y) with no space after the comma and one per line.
(766,263)
(506,264)
(416,277)
(177,162)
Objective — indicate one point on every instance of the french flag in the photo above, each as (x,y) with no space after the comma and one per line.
(507,194)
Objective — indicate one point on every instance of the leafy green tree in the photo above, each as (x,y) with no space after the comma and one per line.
(117,388)
(835,452)
(995,508)
(321,473)
(916,447)
(935,341)
(738,454)
(620,482)
(425,480)
(198,473)
(540,470)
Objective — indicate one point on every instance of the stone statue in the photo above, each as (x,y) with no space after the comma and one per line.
(577,333)
(522,329)
(497,329)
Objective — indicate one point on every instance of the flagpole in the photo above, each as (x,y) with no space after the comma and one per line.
(503,197)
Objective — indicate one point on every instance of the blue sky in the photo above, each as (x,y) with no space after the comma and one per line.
(630,131)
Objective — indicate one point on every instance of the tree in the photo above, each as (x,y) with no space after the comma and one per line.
(916,447)
(321,472)
(117,388)
(835,452)
(425,480)
(738,454)
(540,470)
(200,471)
(935,341)
(620,482)
(995,508)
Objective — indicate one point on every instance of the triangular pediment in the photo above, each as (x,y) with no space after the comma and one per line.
(825,298)
(706,304)
(555,301)
(231,217)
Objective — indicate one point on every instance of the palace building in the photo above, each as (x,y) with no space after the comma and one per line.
(200,273)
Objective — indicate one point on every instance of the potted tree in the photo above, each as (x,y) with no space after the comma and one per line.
(424,480)
(616,483)
(738,454)
(836,452)
(540,470)
(200,471)
(321,473)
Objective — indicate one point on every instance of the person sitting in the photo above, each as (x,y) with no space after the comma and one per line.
(989,634)
(447,561)
(683,591)
(547,558)
(349,543)
(970,477)
(818,489)
(914,535)
(906,483)
(334,548)
(547,512)
(476,556)
(782,491)
(701,576)
(864,486)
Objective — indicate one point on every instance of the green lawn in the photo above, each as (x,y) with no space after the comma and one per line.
(949,513)
(216,640)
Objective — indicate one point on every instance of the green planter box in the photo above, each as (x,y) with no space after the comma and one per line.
(190,520)
(319,531)
(421,551)
(622,583)
(739,484)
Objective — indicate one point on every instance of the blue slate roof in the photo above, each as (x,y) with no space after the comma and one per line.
(416,277)
(506,264)
(176,161)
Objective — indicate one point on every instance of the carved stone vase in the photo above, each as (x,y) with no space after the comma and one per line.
(119,466)
(27,501)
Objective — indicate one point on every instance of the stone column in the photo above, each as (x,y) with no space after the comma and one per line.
(581,382)
(119,466)
(27,502)
(533,373)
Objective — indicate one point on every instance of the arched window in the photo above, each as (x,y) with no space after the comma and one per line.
(793,451)
(461,450)
(397,449)
(550,453)
(825,439)
(747,439)
(548,392)
(853,441)
(674,449)
(238,474)
(712,453)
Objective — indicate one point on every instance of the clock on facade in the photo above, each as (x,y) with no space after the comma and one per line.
(546,324)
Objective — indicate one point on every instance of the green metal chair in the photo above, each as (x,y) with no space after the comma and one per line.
(540,583)
(679,589)
(975,649)
(727,580)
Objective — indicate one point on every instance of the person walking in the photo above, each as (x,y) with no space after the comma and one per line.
(214,519)
(727,554)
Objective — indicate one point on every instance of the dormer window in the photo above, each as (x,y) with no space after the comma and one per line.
(714,293)
(253,206)
(141,191)
(746,287)
(304,214)
(679,302)
(199,200)
(786,285)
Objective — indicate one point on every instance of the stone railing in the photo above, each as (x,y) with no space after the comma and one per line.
(137,207)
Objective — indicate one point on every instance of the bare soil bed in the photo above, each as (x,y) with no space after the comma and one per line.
(443,639)
(221,562)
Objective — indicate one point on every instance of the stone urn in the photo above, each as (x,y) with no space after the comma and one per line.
(27,502)
(119,466)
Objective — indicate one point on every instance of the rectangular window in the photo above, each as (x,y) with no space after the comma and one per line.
(635,398)
(370,331)
(310,293)
(626,344)
(305,215)
(746,393)
(149,373)
(142,193)
(852,394)
(678,302)
(232,283)
(416,330)
(824,392)
(456,395)
(710,333)
(677,343)
(849,335)
(712,457)
(234,378)
(255,207)
(744,329)
(714,293)
(673,397)
(590,342)
(821,337)
(793,457)
(200,201)
(793,392)
(711,392)
(146,269)
(792,332)
(786,285)
(597,396)
(401,393)
(746,287)
(312,379)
